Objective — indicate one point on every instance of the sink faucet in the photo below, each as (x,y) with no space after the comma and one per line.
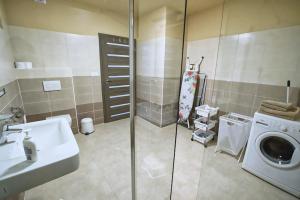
(7,120)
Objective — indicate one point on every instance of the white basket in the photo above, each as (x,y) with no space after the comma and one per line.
(206,111)
(203,126)
(234,131)
(203,136)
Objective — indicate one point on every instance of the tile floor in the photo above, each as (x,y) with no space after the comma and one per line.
(200,173)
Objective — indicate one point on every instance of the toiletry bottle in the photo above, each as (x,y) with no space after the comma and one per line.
(29,148)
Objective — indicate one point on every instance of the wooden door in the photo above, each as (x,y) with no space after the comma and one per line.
(114,61)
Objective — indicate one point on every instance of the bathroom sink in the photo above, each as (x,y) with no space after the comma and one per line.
(12,149)
(58,155)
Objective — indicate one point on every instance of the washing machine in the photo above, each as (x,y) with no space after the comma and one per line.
(273,152)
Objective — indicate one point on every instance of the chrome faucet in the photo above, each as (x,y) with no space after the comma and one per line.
(7,120)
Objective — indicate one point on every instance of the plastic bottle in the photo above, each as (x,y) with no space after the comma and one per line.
(29,148)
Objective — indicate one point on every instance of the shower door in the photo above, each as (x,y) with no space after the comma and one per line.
(159,29)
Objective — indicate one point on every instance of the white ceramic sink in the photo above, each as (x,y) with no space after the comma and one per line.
(58,154)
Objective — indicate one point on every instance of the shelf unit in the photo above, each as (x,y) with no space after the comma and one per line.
(204,124)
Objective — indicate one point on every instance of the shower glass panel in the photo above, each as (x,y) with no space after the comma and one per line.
(61,40)
(159,41)
(258,51)
(203,28)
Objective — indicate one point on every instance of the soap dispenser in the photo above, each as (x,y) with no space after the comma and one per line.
(29,147)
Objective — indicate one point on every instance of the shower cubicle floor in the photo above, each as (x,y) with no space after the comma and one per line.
(104,171)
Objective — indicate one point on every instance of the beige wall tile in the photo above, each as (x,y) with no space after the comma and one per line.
(62,104)
(37,108)
(277,92)
(62,94)
(83,99)
(99,114)
(12,91)
(96,80)
(98,106)
(35,84)
(244,110)
(82,80)
(241,99)
(15,102)
(71,112)
(97,96)
(34,96)
(244,88)
(83,108)
(83,90)
(37,117)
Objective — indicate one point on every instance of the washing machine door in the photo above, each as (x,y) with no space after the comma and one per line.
(278,149)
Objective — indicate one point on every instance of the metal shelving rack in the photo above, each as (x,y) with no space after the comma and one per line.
(204,124)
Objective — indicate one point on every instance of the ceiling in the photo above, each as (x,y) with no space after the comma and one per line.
(144,6)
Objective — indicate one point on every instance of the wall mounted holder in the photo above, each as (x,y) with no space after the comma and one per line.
(1,25)
(2,92)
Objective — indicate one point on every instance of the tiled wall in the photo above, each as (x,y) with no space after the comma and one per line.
(170,100)
(249,67)
(157,99)
(80,97)
(71,58)
(149,92)
(157,81)
(39,104)
(88,96)
(245,98)
(55,54)
(12,98)
(59,55)
(267,57)
(159,49)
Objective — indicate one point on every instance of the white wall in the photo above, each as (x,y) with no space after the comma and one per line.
(55,54)
(7,71)
(207,48)
(267,57)
(151,57)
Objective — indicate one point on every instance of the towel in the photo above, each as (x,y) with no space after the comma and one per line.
(293,114)
(277,105)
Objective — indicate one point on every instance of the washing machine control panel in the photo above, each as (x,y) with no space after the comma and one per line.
(278,124)
(283,128)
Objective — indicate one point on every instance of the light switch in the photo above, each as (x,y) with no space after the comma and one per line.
(51,85)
